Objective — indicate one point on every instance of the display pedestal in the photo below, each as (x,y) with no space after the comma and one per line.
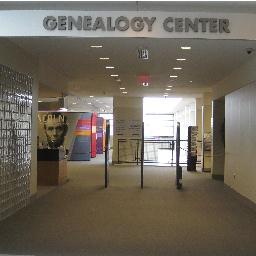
(51,167)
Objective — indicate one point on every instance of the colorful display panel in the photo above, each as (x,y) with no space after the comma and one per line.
(100,138)
(93,135)
(70,130)
(104,133)
(81,146)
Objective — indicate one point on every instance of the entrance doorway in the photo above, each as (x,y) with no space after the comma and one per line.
(110,67)
(160,116)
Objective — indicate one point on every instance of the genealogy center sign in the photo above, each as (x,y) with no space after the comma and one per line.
(137,24)
(68,23)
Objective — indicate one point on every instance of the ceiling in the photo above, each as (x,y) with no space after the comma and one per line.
(170,6)
(206,63)
(89,104)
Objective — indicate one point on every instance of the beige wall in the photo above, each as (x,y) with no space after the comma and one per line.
(207,104)
(240,150)
(199,117)
(127,109)
(17,59)
(51,79)
(240,77)
(240,108)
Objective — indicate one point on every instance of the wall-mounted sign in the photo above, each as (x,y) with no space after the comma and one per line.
(153,24)
(143,54)
(123,23)
(128,128)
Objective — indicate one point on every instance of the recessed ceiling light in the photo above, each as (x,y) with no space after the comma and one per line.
(177,68)
(124,92)
(190,81)
(145,84)
(40,101)
(96,46)
(74,103)
(115,75)
(122,88)
(185,47)
(91,96)
(97,100)
(104,58)
(170,86)
(180,59)
(168,89)
(109,67)
(173,76)
(63,109)
(89,103)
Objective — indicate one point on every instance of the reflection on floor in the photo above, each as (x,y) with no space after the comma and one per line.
(83,218)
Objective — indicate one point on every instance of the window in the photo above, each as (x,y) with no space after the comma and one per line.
(159,125)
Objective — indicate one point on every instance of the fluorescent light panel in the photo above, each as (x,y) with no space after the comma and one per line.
(173,76)
(63,109)
(185,47)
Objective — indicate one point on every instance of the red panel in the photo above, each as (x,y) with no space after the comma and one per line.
(93,136)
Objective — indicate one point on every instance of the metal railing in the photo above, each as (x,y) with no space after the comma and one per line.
(156,151)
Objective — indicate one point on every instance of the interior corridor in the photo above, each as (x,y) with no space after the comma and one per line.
(83,218)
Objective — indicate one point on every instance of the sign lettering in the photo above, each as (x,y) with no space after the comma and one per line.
(137,24)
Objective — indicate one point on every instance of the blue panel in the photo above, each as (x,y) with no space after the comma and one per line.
(81,149)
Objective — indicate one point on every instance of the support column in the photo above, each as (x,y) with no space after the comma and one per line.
(33,177)
(199,125)
(126,111)
(218,139)
(206,131)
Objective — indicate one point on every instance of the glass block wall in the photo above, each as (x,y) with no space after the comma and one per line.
(15,140)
